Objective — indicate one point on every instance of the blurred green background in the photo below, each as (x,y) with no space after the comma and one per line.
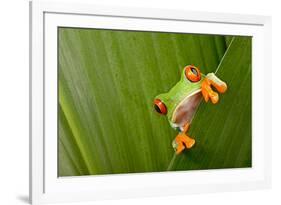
(107,82)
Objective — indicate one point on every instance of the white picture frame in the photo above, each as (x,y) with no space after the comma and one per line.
(46,187)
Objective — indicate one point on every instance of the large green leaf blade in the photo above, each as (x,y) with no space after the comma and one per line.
(223,131)
(107,82)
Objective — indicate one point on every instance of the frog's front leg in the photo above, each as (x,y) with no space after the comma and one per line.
(183,141)
(207,91)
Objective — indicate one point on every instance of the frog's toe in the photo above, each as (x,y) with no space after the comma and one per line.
(214,97)
(178,146)
(182,141)
(190,143)
(180,149)
(205,94)
(208,92)
(220,86)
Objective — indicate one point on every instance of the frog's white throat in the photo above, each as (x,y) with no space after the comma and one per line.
(185,110)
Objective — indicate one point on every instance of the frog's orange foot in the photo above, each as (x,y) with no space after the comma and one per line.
(181,142)
(207,91)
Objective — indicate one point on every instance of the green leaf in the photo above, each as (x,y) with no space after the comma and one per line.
(223,131)
(228,40)
(107,83)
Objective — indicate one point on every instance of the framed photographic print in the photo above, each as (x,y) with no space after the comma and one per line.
(129,102)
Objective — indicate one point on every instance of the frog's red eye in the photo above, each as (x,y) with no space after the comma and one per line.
(192,73)
(160,107)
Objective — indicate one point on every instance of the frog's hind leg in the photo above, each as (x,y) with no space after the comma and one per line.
(183,141)
(178,145)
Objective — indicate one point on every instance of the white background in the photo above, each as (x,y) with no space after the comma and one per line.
(14,100)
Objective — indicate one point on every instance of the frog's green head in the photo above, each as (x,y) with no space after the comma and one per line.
(182,100)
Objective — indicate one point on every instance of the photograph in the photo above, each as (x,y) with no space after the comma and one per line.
(134,101)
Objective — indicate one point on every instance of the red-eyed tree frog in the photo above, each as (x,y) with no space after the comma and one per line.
(180,103)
